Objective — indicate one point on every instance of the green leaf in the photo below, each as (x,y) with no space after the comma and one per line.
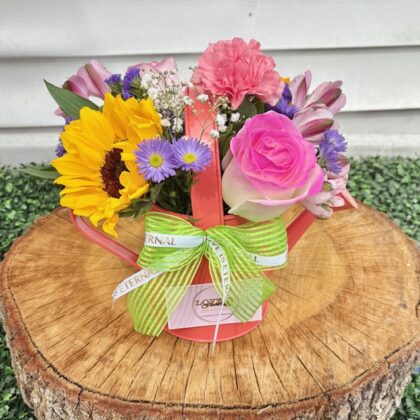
(224,140)
(142,208)
(260,107)
(154,191)
(128,212)
(69,102)
(247,108)
(47,172)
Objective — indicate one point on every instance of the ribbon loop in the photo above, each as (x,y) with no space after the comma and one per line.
(173,252)
(160,252)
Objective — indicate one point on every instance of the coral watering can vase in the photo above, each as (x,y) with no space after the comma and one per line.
(207,211)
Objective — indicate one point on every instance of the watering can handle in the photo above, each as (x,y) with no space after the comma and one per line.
(206,193)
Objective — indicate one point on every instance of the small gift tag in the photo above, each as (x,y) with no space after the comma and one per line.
(201,307)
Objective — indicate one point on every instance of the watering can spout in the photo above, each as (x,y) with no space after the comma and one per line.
(300,225)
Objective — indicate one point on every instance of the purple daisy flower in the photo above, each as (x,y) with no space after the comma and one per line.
(191,154)
(329,150)
(131,74)
(284,105)
(155,159)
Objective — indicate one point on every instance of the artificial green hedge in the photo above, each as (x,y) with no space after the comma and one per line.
(392,185)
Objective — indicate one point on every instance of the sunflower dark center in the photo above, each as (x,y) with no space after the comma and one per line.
(110,173)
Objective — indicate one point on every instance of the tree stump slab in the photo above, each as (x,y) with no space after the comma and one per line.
(339,341)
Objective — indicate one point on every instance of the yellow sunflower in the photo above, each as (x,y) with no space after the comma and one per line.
(98,171)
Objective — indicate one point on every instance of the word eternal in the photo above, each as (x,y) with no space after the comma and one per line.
(134,281)
(151,239)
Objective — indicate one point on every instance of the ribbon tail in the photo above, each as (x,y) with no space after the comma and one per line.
(216,328)
(248,287)
(225,277)
(152,304)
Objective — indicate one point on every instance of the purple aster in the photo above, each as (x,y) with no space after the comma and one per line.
(131,74)
(329,150)
(191,154)
(155,159)
(284,105)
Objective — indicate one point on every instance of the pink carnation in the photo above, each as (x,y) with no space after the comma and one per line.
(235,69)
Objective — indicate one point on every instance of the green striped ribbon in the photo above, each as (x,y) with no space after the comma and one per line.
(173,252)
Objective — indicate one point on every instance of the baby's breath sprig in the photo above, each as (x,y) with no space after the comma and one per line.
(167,94)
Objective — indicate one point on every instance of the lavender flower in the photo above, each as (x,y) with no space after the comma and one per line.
(284,105)
(191,154)
(114,79)
(155,159)
(59,149)
(329,151)
(68,120)
(131,74)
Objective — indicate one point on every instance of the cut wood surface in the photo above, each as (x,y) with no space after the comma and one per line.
(339,341)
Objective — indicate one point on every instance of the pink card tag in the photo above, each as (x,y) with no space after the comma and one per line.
(201,306)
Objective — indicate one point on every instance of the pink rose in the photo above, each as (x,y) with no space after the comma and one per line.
(272,167)
(235,69)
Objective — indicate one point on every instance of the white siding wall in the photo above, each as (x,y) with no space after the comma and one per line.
(373,45)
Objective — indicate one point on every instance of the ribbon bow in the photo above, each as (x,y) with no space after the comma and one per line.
(173,250)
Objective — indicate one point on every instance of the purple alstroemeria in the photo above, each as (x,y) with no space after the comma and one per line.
(321,205)
(155,159)
(313,122)
(191,154)
(90,80)
(329,94)
(316,111)
(156,68)
(299,88)
(334,194)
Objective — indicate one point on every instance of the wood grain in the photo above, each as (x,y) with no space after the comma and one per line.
(339,340)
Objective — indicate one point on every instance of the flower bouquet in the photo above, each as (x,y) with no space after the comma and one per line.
(211,164)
